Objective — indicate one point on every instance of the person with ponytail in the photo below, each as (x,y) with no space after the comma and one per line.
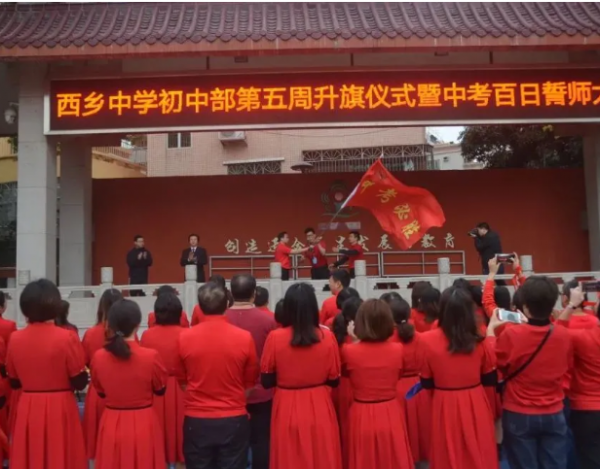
(340,299)
(302,362)
(342,395)
(417,411)
(46,362)
(93,340)
(128,376)
(164,338)
(374,364)
(426,313)
(459,369)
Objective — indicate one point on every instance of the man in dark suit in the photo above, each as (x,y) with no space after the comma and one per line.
(195,255)
(139,260)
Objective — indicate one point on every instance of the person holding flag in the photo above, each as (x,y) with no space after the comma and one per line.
(355,253)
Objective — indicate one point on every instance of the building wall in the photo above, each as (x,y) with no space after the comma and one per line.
(207,154)
(448,156)
(543,218)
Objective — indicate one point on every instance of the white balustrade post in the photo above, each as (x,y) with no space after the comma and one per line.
(23,278)
(190,289)
(360,278)
(444,272)
(106,279)
(11,282)
(275,284)
(527,265)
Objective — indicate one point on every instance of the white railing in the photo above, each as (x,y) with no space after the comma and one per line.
(84,300)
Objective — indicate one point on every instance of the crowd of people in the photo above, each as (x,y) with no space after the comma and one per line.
(444,381)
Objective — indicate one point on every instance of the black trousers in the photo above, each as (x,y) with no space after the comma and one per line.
(220,443)
(585,425)
(136,293)
(352,274)
(319,273)
(260,433)
(285,274)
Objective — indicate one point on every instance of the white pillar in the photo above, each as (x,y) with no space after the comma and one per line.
(275,284)
(591,155)
(190,289)
(527,265)
(36,196)
(106,279)
(443,272)
(75,214)
(360,279)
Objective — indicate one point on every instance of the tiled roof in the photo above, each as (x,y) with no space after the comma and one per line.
(56,25)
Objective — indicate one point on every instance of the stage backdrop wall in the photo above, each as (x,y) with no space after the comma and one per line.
(537,212)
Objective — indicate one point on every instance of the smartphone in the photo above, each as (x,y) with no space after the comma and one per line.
(505,257)
(509,316)
(591,286)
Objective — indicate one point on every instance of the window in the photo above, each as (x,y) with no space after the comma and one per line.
(179,140)
(263,167)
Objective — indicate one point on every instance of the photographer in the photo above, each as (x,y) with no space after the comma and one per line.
(488,244)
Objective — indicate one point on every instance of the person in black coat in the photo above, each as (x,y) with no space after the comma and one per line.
(487,243)
(195,255)
(139,259)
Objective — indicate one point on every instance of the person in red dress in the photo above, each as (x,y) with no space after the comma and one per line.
(417,410)
(342,395)
(164,338)
(128,376)
(283,253)
(279,315)
(46,362)
(62,320)
(457,367)
(183,320)
(197,314)
(425,311)
(340,299)
(261,300)
(338,280)
(93,340)
(355,253)
(7,327)
(378,436)
(219,367)
(302,362)
(316,256)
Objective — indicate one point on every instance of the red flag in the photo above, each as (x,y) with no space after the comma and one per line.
(404,212)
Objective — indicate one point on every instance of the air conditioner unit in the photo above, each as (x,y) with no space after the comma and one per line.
(232,136)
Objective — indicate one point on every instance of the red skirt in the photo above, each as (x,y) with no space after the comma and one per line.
(94,407)
(304,430)
(417,412)
(15,395)
(462,430)
(378,437)
(343,398)
(47,432)
(130,439)
(169,409)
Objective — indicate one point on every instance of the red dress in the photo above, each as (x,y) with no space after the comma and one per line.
(378,437)
(7,327)
(183,322)
(462,428)
(304,429)
(342,399)
(169,408)
(93,340)
(418,320)
(197,315)
(418,409)
(130,435)
(47,432)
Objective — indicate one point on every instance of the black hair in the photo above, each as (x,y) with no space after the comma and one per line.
(165,289)
(477,295)
(281,235)
(517,300)
(243,287)
(62,319)
(300,303)
(40,301)
(389,296)
(213,299)
(355,233)
(194,234)
(309,230)
(462,283)
(136,237)
(280,316)
(345,294)
(429,304)
(123,319)
(539,294)
(342,276)
(108,298)
(570,285)
(2,299)
(401,313)
(483,225)
(457,320)
(219,280)
(502,297)
(168,309)
(341,321)
(417,290)
(261,297)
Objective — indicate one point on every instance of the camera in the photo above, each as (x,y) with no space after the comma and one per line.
(473,233)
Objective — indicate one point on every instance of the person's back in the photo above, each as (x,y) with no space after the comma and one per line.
(7,327)
(165,340)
